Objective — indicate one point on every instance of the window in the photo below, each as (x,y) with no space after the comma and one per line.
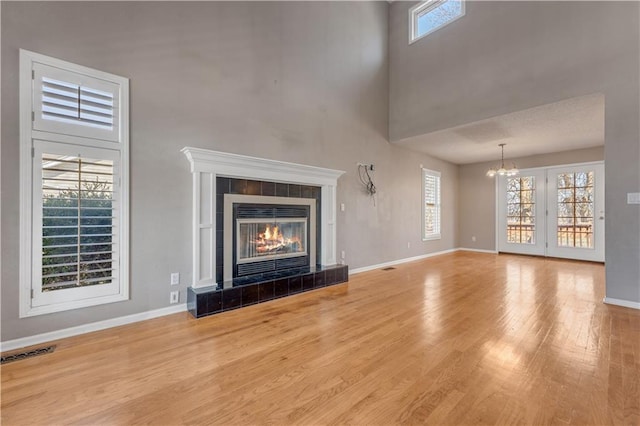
(575,209)
(73,183)
(431,205)
(428,16)
(521,210)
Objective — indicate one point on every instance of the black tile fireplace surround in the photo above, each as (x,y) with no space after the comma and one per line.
(254,187)
(222,297)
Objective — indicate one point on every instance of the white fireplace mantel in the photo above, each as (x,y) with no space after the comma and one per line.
(207,165)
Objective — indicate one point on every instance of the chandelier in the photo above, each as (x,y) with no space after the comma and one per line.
(502,171)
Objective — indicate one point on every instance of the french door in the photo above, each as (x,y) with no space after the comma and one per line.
(575,226)
(557,212)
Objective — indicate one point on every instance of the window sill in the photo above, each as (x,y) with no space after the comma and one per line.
(33,311)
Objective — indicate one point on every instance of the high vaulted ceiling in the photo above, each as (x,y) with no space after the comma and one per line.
(561,126)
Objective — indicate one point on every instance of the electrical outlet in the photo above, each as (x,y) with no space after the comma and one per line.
(473,238)
(175,278)
(174,297)
(342,254)
(408,244)
(341,207)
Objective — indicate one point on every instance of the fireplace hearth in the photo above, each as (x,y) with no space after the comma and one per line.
(264,264)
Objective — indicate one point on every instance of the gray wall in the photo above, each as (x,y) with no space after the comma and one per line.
(478,193)
(296,81)
(509,56)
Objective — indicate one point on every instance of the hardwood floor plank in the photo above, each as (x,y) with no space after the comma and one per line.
(462,338)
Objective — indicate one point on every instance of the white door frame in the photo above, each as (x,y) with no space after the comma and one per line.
(596,253)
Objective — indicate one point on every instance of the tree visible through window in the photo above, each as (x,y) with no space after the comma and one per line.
(428,16)
(74,186)
(521,210)
(575,209)
(77,222)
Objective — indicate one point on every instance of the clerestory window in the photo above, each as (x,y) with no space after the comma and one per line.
(429,16)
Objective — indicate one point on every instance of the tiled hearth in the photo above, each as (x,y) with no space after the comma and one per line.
(206,301)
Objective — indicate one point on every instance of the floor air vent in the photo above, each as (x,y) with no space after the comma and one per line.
(390,268)
(27,354)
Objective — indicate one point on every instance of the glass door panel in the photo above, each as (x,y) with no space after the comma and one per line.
(576,212)
(521,213)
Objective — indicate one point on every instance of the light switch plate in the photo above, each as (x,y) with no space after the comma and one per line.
(175,278)
(633,198)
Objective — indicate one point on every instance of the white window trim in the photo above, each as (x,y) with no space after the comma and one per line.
(425,6)
(27,135)
(438,235)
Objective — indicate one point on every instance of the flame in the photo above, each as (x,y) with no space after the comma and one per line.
(273,239)
(274,235)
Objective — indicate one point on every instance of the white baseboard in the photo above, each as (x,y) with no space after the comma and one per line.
(399,261)
(478,250)
(115,322)
(88,328)
(142,316)
(620,302)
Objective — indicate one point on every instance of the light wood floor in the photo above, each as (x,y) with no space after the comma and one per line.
(463,338)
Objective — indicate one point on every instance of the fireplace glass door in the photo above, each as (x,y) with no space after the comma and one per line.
(268,238)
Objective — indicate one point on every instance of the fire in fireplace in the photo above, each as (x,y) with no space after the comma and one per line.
(267,235)
(262,239)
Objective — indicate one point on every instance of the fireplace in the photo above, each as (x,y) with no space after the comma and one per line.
(267,236)
(297,199)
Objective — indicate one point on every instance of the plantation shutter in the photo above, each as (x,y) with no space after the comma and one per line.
(79,224)
(431,207)
(72,103)
(77,219)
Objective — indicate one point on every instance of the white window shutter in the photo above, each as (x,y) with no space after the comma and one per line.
(76,222)
(71,103)
(431,204)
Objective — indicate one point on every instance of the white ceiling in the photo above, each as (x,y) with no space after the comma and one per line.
(561,126)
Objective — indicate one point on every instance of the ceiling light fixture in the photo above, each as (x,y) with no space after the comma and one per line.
(502,171)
